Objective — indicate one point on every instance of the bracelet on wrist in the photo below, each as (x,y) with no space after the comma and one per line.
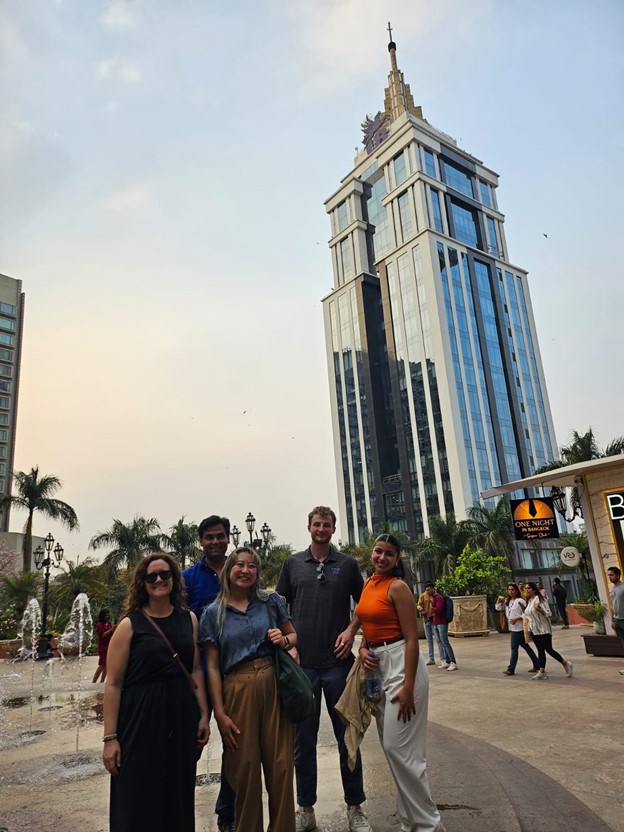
(109,737)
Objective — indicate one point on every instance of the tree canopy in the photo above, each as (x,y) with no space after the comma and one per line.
(129,542)
(35,492)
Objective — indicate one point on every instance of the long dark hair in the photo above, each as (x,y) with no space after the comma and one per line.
(102,616)
(518,593)
(398,569)
(137,594)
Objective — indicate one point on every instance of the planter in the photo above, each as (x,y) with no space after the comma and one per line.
(9,647)
(469,616)
(599,628)
(603,645)
(579,613)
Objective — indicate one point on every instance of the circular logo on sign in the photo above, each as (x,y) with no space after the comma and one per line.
(571,556)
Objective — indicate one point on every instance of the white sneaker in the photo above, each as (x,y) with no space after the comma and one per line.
(540,676)
(452,666)
(569,669)
(358,822)
(621,672)
(429,662)
(443,666)
(305,821)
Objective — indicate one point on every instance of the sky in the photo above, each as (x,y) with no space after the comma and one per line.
(163,169)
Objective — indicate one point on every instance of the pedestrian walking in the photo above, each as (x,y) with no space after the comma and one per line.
(514,606)
(538,615)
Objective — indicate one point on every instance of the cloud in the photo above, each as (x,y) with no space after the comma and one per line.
(129,199)
(120,17)
(119,70)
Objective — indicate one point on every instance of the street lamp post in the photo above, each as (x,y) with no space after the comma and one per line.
(235,533)
(258,543)
(41,562)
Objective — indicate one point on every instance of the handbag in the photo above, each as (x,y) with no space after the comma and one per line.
(294,687)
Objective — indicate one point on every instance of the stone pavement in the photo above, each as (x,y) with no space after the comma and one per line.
(506,754)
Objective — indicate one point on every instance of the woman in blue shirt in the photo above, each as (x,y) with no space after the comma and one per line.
(239,643)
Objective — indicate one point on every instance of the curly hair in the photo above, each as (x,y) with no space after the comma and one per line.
(137,597)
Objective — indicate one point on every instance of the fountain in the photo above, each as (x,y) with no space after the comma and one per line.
(75,641)
(29,631)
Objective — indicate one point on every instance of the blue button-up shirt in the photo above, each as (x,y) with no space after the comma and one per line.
(201,586)
(244,634)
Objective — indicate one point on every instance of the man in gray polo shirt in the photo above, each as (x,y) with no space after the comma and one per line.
(617,603)
(318,585)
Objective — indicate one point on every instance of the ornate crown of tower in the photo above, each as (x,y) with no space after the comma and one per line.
(398,98)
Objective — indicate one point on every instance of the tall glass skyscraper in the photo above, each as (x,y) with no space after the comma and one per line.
(437,386)
(11,326)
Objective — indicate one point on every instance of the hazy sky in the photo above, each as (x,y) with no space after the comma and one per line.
(163,169)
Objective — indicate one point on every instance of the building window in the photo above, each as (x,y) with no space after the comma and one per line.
(6,355)
(2,467)
(465,224)
(437,211)
(456,178)
(400,173)
(5,386)
(5,370)
(405,216)
(346,258)
(6,323)
(7,339)
(4,418)
(341,213)
(3,435)
(485,193)
(7,309)
(3,451)
(5,402)
(493,247)
(428,162)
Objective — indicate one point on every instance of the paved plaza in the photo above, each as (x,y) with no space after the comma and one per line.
(506,754)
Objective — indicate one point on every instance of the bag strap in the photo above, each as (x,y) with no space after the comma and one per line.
(174,654)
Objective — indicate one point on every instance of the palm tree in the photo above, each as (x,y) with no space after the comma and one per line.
(272,562)
(36,492)
(129,542)
(446,541)
(582,448)
(17,590)
(491,529)
(183,542)
(85,577)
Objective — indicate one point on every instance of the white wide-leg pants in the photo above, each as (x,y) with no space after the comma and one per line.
(405,743)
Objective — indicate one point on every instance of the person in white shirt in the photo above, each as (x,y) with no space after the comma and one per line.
(513,606)
(538,615)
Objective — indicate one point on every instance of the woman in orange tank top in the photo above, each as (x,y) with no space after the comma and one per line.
(387,612)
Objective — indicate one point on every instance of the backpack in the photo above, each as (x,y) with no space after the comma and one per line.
(449,608)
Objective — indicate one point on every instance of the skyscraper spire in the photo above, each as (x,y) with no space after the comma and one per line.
(398,97)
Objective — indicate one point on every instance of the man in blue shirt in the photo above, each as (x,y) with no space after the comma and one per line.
(202,583)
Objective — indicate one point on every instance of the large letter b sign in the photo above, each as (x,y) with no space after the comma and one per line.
(616,505)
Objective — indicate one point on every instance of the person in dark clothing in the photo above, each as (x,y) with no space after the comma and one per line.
(202,583)
(560,594)
(154,721)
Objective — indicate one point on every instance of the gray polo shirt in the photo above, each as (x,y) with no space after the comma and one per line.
(320,609)
(617,600)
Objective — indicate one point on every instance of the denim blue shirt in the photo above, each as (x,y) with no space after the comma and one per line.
(244,635)
(201,586)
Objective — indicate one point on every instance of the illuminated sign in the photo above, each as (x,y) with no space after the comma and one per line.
(534,519)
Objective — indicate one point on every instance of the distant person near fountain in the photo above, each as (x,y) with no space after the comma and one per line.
(155,707)
(104,630)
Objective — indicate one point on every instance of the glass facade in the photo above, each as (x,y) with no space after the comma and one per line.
(428,163)
(346,259)
(456,177)
(341,215)
(465,224)
(406,217)
(493,245)
(484,189)
(400,172)
(437,211)
(376,215)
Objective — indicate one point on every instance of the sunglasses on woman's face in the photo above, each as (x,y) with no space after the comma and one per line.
(164,575)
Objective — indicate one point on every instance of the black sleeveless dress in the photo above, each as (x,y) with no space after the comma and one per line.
(157,732)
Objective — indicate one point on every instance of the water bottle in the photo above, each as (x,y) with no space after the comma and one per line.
(373,689)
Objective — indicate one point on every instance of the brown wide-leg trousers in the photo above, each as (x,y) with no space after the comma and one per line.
(266,740)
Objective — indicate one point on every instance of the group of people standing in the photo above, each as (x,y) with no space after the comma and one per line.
(156,711)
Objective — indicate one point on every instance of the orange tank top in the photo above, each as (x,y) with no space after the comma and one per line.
(376,611)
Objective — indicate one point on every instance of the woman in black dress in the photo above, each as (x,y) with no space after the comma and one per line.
(155,723)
